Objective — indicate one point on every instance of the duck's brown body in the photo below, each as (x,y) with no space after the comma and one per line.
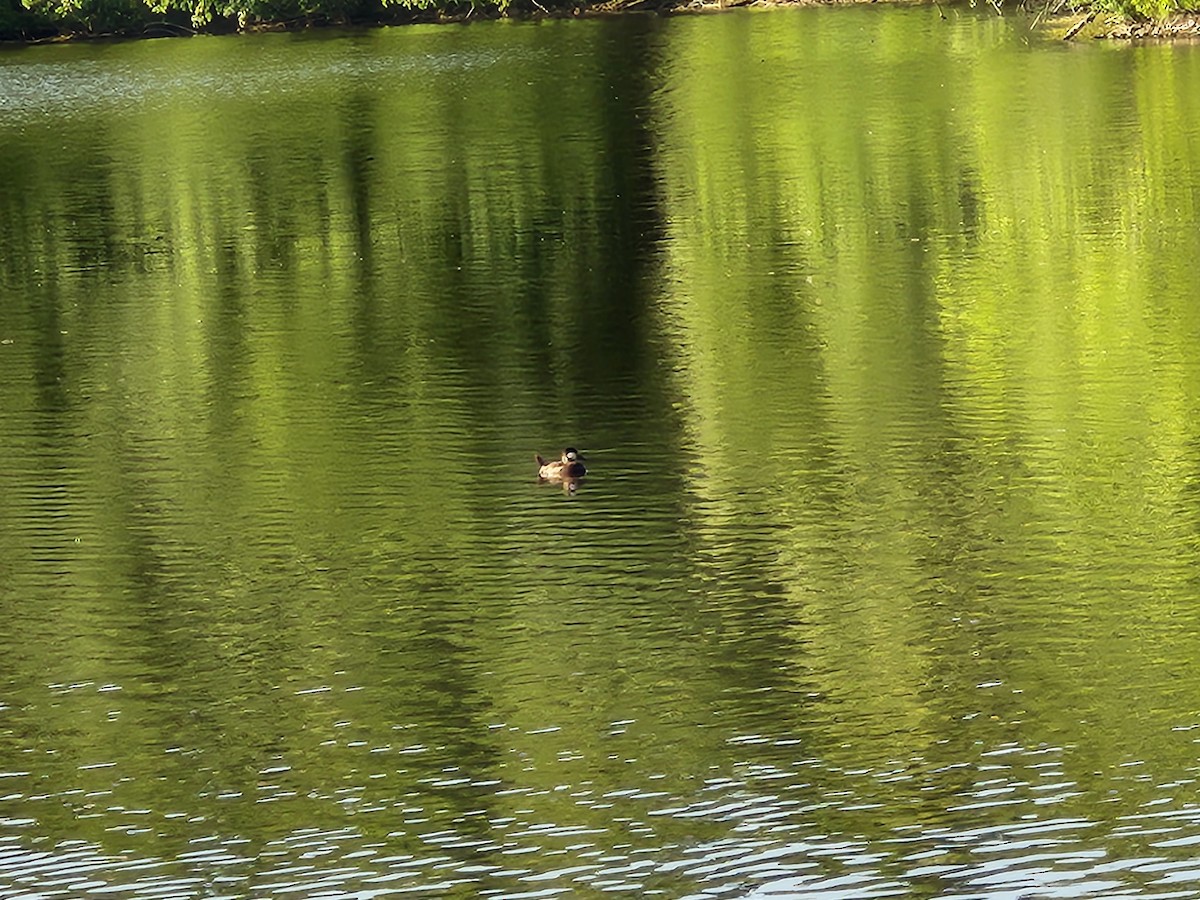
(568,467)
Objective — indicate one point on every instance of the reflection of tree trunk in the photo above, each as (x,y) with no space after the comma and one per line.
(633,228)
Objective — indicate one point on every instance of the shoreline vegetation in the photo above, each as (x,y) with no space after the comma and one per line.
(45,21)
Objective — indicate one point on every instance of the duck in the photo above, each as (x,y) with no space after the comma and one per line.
(568,467)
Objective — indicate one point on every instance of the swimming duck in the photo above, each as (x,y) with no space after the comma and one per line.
(561,469)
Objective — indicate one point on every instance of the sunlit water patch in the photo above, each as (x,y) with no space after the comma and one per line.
(204,73)
(763,831)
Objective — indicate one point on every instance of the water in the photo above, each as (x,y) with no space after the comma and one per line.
(878,328)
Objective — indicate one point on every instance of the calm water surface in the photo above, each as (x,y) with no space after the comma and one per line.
(880,331)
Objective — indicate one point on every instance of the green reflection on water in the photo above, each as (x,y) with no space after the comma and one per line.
(876,328)
(947,344)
